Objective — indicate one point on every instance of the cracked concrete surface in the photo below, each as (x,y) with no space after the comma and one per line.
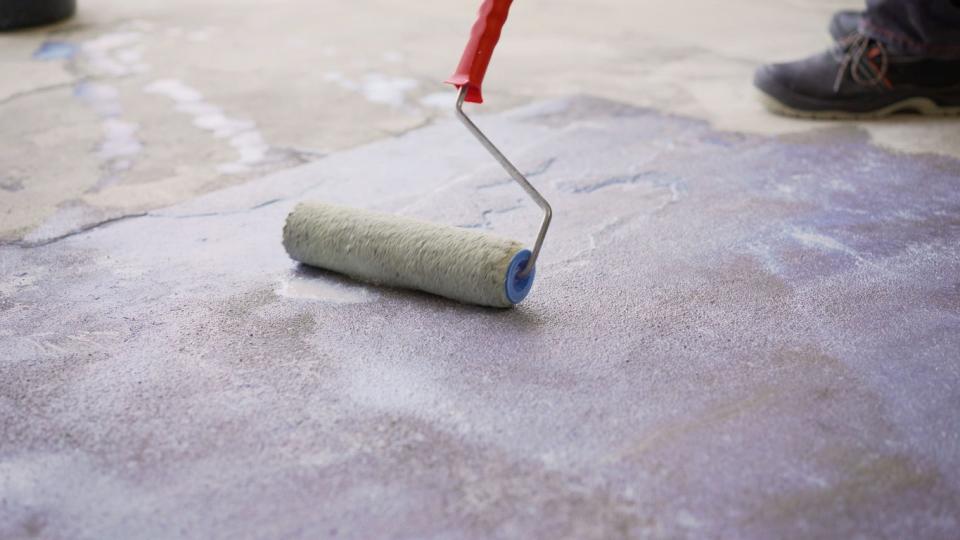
(731,335)
(135,106)
(743,326)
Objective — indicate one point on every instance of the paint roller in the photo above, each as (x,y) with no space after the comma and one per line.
(384,249)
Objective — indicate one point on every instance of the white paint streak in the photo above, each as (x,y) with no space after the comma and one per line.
(115,54)
(387,90)
(174,90)
(376,87)
(104,99)
(242,134)
(120,144)
(439,100)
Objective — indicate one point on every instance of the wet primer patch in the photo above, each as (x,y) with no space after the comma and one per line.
(324,287)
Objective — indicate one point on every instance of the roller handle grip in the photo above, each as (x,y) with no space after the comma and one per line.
(476,56)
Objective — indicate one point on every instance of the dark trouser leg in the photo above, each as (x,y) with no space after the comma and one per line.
(928,28)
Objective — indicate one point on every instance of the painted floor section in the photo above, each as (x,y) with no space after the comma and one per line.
(731,335)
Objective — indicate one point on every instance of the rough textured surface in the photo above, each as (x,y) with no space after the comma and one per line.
(731,335)
(386,249)
(137,105)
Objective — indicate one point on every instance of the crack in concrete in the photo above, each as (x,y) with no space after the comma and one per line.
(98,224)
(484,222)
(612,181)
(402,132)
(656,179)
(296,153)
(38,90)
(592,238)
(257,206)
(541,168)
(11,184)
(80,230)
(302,155)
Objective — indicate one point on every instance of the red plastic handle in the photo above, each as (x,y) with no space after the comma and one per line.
(476,57)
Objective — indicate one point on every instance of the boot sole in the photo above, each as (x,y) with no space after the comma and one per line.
(919,105)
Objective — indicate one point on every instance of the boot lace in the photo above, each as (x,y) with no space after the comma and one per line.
(864,58)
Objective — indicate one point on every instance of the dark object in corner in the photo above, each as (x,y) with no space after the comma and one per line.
(24,13)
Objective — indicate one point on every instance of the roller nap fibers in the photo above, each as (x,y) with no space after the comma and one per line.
(384,249)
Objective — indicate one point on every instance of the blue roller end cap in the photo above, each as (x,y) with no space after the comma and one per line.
(518,287)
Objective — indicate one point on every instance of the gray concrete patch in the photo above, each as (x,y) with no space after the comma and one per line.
(731,335)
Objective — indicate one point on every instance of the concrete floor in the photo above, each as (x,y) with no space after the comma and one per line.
(743,326)
(133,106)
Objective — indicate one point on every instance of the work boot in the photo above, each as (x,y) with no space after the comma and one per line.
(844,24)
(860,78)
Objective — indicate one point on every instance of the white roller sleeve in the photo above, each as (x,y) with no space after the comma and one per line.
(461,264)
